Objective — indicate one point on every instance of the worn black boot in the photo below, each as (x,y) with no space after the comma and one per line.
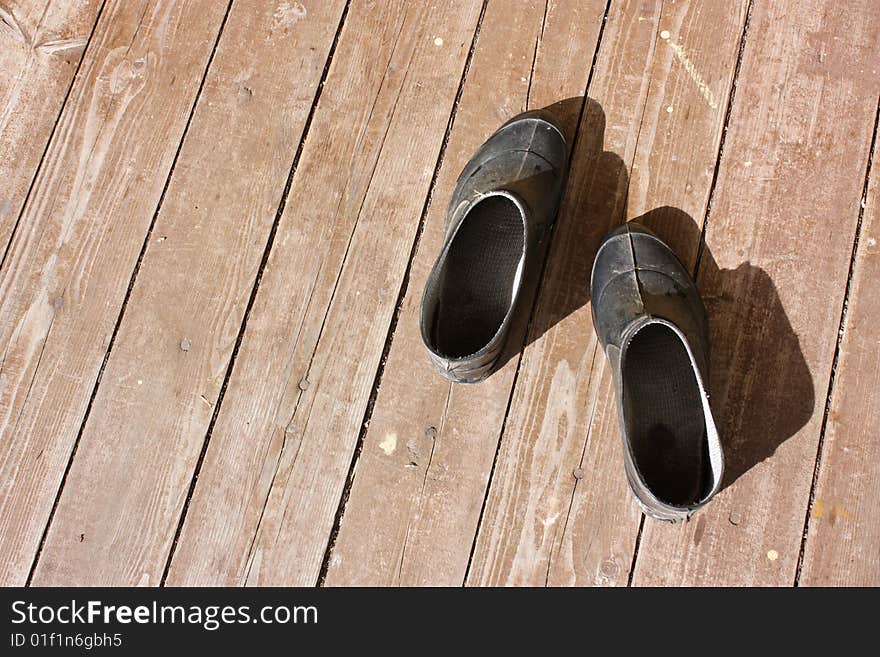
(652,324)
(505,200)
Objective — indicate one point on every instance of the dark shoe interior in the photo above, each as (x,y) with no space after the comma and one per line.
(477,280)
(664,416)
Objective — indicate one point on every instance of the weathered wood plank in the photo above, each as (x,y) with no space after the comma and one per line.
(558,511)
(773,275)
(281,450)
(421,478)
(41,45)
(119,509)
(843,542)
(83,228)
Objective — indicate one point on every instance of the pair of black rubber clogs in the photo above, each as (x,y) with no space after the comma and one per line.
(647,312)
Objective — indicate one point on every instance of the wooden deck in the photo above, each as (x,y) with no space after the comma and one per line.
(216,222)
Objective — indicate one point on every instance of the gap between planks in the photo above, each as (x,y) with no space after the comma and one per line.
(538,40)
(836,359)
(377,381)
(131,284)
(538,288)
(701,245)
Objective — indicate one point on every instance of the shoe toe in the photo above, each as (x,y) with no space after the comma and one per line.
(635,273)
(615,257)
(536,132)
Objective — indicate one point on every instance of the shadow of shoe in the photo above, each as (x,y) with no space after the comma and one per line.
(761,388)
(594,203)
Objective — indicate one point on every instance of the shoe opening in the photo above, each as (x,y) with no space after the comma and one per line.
(664,416)
(478,280)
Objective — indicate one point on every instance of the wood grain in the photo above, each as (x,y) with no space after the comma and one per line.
(119,509)
(773,275)
(209,306)
(41,45)
(281,450)
(415,502)
(843,543)
(83,228)
(559,511)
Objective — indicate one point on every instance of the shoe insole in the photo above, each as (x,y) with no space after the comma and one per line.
(480,277)
(664,415)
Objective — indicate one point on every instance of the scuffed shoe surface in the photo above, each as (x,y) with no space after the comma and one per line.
(505,199)
(652,324)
